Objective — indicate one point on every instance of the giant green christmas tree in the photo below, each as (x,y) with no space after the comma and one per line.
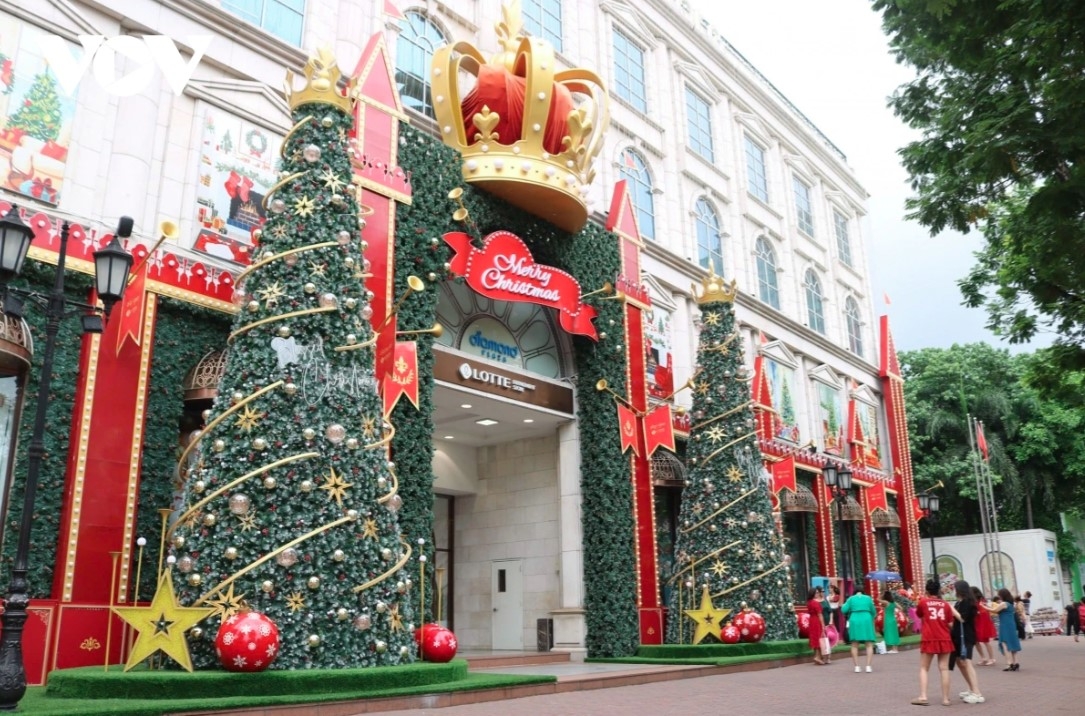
(726,539)
(40,114)
(291,505)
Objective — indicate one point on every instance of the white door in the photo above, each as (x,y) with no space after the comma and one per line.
(507,588)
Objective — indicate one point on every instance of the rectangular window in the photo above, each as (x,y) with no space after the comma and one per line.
(756,180)
(629,72)
(803,211)
(843,241)
(699,123)
(542,18)
(282,18)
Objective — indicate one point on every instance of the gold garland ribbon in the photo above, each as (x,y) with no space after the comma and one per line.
(781,565)
(214,423)
(284,180)
(716,452)
(730,504)
(393,491)
(286,140)
(358,346)
(732,411)
(693,564)
(263,262)
(280,317)
(397,566)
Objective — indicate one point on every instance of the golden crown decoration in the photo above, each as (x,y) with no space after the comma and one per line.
(528,133)
(322,83)
(714,288)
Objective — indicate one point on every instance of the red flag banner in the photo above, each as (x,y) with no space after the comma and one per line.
(917,511)
(627,424)
(783,475)
(981,441)
(403,380)
(658,429)
(876,498)
(131,309)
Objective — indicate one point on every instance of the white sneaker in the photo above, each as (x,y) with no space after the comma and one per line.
(868,670)
(858,669)
(974,699)
(964,694)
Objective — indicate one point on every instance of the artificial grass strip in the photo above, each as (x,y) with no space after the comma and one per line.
(39,702)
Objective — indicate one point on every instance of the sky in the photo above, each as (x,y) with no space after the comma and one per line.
(831,59)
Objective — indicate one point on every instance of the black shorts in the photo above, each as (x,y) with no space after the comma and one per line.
(960,652)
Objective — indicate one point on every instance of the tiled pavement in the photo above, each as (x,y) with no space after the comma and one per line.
(1051,681)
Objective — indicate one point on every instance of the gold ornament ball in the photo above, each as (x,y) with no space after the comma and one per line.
(348,262)
(199,486)
(284,331)
(230,553)
(253,306)
(386,554)
(194,580)
(259,444)
(196,632)
(352,443)
(308,433)
(403,650)
(352,515)
(351,339)
(364,246)
(269,483)
(327,121)
(361,223)
(309,287)
(306,485)
(237,396)
(178,541)
(339,555)
(382,482)
(381,647)
(209,519)
(431,276)
(290,259)
(290,388)
(381,607)
(314,640)
(313,583)
(267,586)
(257,234)
(351,303)
(342,614)
(219,445)
(401,587)
(206,414)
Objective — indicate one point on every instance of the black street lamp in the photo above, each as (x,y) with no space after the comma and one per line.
(111,267)
(929,504)
(839,483)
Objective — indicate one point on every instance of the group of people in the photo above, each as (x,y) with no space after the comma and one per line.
(950,632)
(1075,619)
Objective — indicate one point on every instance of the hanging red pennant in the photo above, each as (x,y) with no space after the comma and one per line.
(981,442)
(917,512)
(403,379)
(876,498)
(627,424)
(131,309)
(783,475)
(658,429)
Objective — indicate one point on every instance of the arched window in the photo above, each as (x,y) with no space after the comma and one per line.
(767,288)
(414,54)
(815,310)
(854,324)
(709,237)
(635,171)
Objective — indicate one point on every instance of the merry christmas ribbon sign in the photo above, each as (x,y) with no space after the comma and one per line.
(505,270)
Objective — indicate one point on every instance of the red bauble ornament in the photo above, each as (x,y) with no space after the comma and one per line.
(753,627)
(248,641)
(804,624)
(730,634)
(435,643)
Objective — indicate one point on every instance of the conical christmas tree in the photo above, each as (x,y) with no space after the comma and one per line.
(40,114)
(726,539)
(291,507)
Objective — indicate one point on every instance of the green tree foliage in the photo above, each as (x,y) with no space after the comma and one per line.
(40,114)
(726,540)
(997,99)
(292,504)
(1036,444)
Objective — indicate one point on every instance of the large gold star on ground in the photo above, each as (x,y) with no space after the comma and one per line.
(161,626)
(734,474)
(248,419)
(335,486)
(228,604)
(708,618)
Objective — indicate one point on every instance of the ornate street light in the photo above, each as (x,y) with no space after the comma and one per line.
(929,504)
(838,481)
(111,266)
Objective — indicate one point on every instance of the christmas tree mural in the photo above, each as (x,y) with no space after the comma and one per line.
(291,508)
(40,114)
(727,548)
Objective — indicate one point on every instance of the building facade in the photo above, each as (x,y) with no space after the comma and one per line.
(722,171)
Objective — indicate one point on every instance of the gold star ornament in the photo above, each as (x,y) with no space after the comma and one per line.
(161,626)
(709,620)
(734,474)
(332,181)
(296,602)
(712,319)
(248,419)
(335,486)
(304,206)
(228,604)
(369,531)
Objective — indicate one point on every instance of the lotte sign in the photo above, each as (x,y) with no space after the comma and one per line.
(505,270)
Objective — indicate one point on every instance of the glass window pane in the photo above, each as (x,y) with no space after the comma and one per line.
(854,326)
(804,213)
(815,315)
(414,53)
(756,179)
(629,72)
(767,287)
(542,18)
(699,124)
(635,171)
(709,237)
(843,241)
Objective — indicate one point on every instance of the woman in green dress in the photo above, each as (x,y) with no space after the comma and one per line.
(860,612)
(890,632)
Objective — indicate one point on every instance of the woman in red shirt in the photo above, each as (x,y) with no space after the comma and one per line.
(816,629)
(937,616)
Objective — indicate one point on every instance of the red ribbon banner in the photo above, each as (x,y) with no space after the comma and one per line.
(131,309)
(659,429)
(783,475)
(505,270)
(627,425)
(403,379)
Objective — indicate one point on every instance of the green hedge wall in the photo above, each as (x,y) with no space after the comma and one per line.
(592,257)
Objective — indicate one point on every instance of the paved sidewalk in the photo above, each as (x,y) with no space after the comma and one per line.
(1051,681)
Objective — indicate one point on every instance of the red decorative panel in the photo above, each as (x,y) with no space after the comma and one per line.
(38,635)
(81,636)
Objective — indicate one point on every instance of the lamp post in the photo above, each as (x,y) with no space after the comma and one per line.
(839,483)
(929,504)
(111,267)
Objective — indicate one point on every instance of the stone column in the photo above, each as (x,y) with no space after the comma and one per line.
(570,627)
